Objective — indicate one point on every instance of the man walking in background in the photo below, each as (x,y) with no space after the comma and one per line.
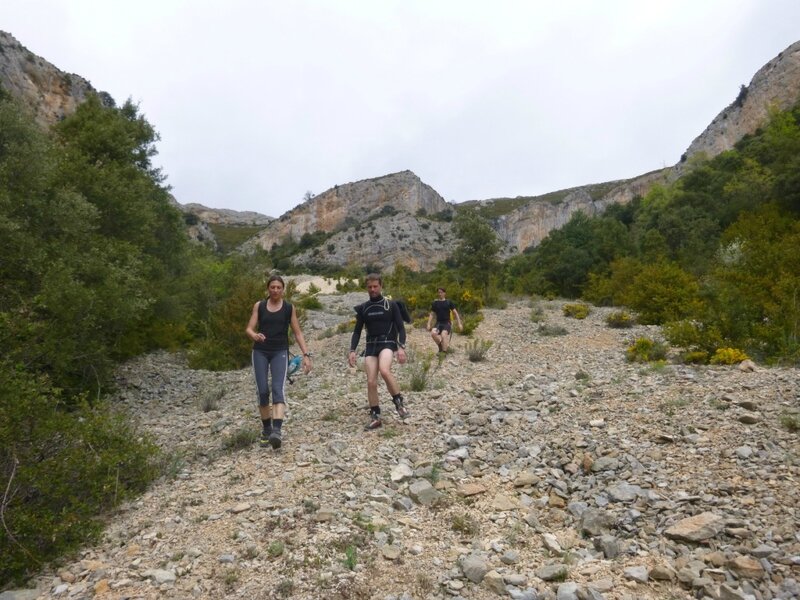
(440,310)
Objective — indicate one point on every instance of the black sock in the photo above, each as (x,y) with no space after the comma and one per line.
(276,424)
(267,423)
(397,396)
(375,411)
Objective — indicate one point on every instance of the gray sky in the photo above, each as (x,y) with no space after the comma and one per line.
(258,102)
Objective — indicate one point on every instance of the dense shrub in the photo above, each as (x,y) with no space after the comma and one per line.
(727,356)
(646,350)
(663,292)
(620,319)
(60,469)
(576,311)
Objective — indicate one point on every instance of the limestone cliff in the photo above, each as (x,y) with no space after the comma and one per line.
(530,223)
(346,205)
(225,216)
(776,84)
(50,93)
(415,242)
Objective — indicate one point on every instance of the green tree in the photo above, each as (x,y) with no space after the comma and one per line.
(477,252)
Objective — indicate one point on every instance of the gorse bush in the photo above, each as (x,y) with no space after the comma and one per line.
(646,350)
(728,356)
(576,311)
(694,357)
(620,320)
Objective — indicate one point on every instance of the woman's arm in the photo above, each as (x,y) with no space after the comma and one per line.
(301,341)
(251,326)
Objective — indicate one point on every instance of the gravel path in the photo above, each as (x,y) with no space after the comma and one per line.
(553,469)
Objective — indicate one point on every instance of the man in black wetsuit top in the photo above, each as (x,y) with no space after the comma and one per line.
(440,310)
(386,335)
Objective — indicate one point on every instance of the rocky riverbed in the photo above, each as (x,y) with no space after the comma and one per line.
(552,469)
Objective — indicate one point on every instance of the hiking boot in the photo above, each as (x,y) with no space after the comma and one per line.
(264,440)
(374,423)
(275,439)
(401,409)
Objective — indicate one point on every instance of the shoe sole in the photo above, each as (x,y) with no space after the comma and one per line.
(275,441)
(371,428)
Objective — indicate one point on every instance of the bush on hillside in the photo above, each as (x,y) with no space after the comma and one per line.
(59,470)
(646,350)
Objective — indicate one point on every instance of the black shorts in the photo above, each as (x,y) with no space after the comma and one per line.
(448,327)
(375,348)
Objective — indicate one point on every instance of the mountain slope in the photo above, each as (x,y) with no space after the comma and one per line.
(553,465)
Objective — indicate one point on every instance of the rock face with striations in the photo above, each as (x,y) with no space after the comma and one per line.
(345,206)
(50,93)
(776,84)
(529,224)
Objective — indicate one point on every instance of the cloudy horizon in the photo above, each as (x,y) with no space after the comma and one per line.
(259,103)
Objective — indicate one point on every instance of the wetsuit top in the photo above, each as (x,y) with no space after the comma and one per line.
(383,320)
(442,308)
(274,326)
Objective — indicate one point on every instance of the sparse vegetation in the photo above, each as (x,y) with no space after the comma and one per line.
(477,349)
(790,422)
(620,319)
(551,330)
(646,350)
(465,523)
(243,437)
(576,311)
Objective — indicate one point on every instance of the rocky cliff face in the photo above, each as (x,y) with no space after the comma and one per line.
(528,225)
(393,207)
(776,84)
(415,242)
(50,93)
(224,216)
(345,205)
(384,203)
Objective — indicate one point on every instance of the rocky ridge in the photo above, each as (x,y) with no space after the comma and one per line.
(776,85)
(553,469)
(346,207)
(50,93)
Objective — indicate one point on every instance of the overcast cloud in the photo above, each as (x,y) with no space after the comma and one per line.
(259,102)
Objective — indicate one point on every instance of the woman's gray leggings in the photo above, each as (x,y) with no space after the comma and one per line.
(274,363)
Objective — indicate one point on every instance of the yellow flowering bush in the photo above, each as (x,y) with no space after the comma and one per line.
(728,356)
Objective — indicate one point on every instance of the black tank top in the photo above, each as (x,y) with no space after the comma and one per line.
(274,326)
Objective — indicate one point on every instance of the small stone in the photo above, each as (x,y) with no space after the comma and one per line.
(697,528)
(470,489)
(390,552)
(638,574)
(241,507)
(494,581)
(474,568)
(160,576)
(401,472)
(746,567)
(567,591)
(555,572)
(662,572)
(503,503)
(551,543)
